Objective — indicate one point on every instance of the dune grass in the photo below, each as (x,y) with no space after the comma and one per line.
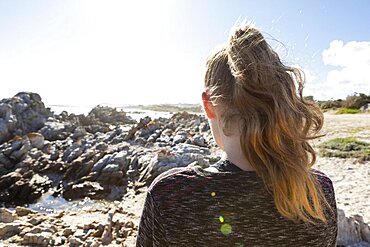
(348,147)
(347,111)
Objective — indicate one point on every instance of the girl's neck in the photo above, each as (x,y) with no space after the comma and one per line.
(233,152)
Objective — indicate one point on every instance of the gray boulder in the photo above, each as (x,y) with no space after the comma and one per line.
(54,130)
(352,231)
(22,114)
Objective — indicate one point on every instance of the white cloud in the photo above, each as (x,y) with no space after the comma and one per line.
(310,80)
(352,74)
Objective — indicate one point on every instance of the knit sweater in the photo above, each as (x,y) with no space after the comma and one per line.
(225,206)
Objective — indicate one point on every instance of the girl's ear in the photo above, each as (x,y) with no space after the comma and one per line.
(207,105)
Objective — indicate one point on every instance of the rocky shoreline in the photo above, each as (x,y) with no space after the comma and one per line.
(105,155)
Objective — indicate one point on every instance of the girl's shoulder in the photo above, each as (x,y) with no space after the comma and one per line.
(322,178)
(182,173)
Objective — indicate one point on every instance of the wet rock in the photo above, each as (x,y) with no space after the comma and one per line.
(18,189)
(87,189)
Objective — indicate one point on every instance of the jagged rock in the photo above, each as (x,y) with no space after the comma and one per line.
(53,130)
(9,229)
(75,241)
(5,164)
(199,140)
(99,231)
(79,133)
(18,189)
(105,115)
(178,156)
(68,231)
(180,137)
(6,216)
(36,221)
(22,114)
(92,243)
(37,140)
(18,149)
(351,230)
(35,154)
(87,189)
(40,239)
(111,168)
(21,211)
(107,234)
(73,152)
(188,148)
(204,126)
(82,166)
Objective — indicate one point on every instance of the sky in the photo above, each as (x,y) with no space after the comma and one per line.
(117,52)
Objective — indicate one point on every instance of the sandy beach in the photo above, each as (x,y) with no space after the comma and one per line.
(351,178)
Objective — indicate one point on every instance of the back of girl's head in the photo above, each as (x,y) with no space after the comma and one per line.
(246,78)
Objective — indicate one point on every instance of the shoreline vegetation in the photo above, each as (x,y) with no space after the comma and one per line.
(105,159)
(172,108)
(355,103)
(348,147)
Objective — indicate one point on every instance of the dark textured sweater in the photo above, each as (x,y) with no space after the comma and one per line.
(225,207)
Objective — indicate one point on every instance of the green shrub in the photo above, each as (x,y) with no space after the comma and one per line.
(348,147)
(331,104)
(356,100)
(347,111)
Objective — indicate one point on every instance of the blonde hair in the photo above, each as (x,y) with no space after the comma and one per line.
(247,78)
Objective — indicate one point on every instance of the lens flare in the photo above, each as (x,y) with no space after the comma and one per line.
(226,229)
(221,219)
